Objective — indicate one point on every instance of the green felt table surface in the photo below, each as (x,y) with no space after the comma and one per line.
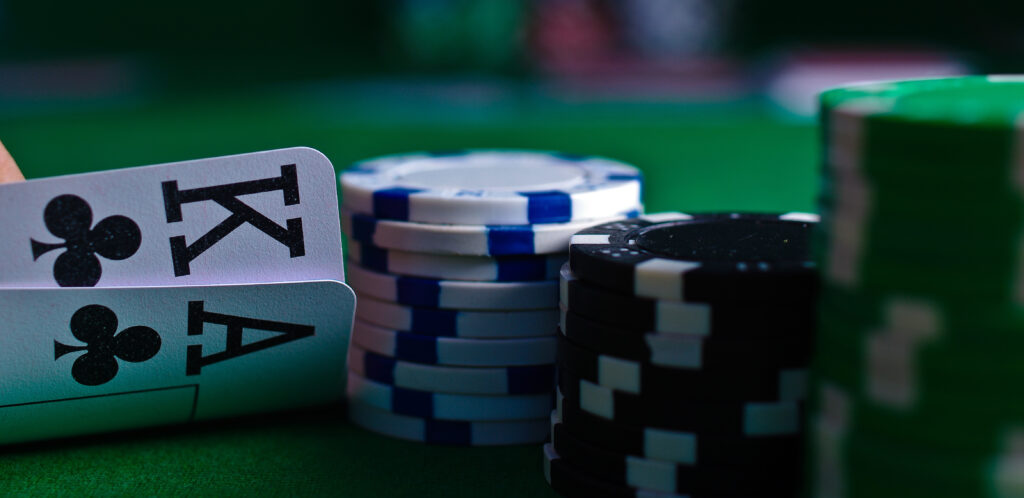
(695,158)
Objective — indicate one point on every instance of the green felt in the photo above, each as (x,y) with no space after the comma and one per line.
(732,158)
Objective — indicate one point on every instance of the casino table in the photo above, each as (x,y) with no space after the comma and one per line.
(696,157)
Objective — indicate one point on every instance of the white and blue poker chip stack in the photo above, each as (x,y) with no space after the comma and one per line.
(455,259)
(682,357)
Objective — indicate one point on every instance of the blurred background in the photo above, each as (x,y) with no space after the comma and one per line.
(98,85)
(713,99)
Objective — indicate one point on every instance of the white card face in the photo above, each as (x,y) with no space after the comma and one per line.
(252,218)
(79,361)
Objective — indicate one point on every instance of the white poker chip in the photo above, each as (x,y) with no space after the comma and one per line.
(447,406)
(491,187)
(525,268)
(459,433)
(435,350)
(454,294)
(472,240)
(531,379)
(457,323)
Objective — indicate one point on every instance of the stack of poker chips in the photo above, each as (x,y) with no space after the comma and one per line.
(454,258)
(916,383)
(682,357)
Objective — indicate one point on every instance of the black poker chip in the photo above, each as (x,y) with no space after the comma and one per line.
(675,384)
(741,418)
(718,319)
(703,257)
(571,481)
(768,479)
(690,351)
(683,447)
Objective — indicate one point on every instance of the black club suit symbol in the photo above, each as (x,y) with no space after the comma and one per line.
(96,326)
(69,217)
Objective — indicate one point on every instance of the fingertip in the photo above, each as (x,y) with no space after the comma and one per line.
(9,171)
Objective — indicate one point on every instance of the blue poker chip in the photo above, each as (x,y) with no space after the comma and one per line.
(450,432)
(530,267)
(453,294)
(447,406)
(420,348)
(467,240)
(529,379)
(457,323)
(491,187)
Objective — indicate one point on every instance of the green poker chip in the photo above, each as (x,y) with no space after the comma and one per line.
(918,258)
(916,277)
(921,235)
(925,130)
(895,204)
(979,102)
(935,393)
(916,380)
(884,150)
(942,472)
(964,376)
(972,320)
(927,426)
(869,465)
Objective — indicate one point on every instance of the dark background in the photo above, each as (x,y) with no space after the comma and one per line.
(89,86)
(189,44)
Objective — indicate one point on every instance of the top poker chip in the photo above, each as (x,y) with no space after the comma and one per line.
(705,257)
(990,102)
(491,187)
(928,132)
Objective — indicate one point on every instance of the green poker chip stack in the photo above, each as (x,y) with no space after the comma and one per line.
(918,377)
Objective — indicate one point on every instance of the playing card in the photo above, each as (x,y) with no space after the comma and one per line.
(87,360)
(251,218)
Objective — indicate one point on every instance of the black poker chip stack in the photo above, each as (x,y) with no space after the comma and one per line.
(682,357)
